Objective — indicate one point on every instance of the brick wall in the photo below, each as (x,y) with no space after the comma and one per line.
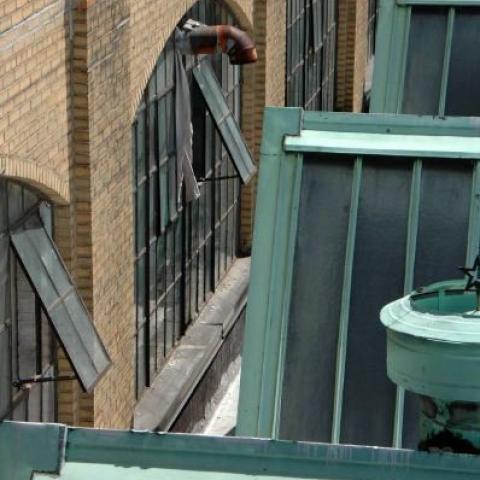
(351,54)
(34,126)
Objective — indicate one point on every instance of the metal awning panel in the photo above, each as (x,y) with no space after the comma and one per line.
(40,451)
(349,217)
(65,309)
(224,120)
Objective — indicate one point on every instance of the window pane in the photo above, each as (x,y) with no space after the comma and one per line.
(5,372)
(425,60)
(3,206)
(4,276)
(141,364)
(463,97)
(26,333)
(49,398)
(35,403)
(15,202)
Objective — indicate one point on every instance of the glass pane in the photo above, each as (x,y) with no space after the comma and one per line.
(141,217)
(3,206)
(321,236)
(35,403)
(443,221)
(463,97)
(4,278)
(5,371)
(20,413)
(15,202)
(140,289)
(160,332)
(140,147)
(49,398)
(141,363)
(48,349)
(26,321)
(380,250)
(426,52)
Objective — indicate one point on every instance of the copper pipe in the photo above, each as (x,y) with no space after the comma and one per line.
(236,43)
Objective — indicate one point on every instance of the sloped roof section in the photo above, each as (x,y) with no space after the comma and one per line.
(353,211)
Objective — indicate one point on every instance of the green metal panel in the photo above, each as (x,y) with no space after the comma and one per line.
(393,36)
(68,453)
(26,448)
(275,224)
(385,142)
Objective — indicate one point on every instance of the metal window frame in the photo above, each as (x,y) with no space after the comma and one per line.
(394,19)
(276,220)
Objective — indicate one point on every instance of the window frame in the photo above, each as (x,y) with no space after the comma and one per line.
(394,20)
(279,187)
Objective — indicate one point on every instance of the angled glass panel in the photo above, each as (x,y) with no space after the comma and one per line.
(224,120)
(68,315)
(333,245)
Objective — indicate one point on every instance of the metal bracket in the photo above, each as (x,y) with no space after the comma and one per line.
(21,382)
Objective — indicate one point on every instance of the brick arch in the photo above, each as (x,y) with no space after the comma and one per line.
(238,9)
(41,179)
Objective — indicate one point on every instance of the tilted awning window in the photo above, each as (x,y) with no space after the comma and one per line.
(427,58)
(225,121)
(68,315)
(353,211)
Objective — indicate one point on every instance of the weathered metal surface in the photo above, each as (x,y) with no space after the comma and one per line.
(68,453)
(355,143)
(26,448)
(425,66)
(225,121)
(326,259)
(433,349)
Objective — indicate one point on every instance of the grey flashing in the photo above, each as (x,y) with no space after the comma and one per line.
(160,405)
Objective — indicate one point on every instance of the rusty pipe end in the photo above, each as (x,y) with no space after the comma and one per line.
(236,43)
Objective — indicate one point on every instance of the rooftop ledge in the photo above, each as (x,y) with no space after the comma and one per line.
(161,403)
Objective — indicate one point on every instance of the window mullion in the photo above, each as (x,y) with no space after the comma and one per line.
(446,61)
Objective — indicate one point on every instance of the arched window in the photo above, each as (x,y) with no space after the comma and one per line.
(38,298)
(182,249)
(26,343)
